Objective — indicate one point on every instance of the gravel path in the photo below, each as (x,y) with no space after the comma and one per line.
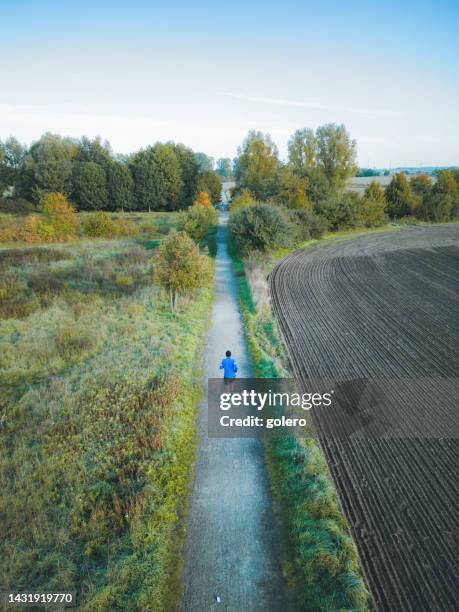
(231,556)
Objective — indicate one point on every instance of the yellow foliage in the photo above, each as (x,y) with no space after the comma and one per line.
(203,199)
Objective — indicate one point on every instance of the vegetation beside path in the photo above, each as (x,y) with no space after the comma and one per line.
(320,559)
(98,388)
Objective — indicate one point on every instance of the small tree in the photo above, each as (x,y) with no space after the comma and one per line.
(203,200)
(211,182)
(180,267)
(400,200)
(245,198)
(372,209)
(292,190)
(261,227)
(197,220)
(58,215)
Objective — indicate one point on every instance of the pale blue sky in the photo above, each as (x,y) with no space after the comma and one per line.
(206,73)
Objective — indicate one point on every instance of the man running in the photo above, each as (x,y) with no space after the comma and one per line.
(229,367)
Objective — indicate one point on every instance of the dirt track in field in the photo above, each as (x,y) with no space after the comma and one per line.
(385,306)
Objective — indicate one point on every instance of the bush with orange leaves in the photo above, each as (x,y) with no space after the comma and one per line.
(203,199)
(57,223)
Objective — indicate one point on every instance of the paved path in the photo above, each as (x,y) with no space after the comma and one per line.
(231,548)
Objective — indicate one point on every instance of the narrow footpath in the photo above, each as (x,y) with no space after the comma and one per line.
(231,553)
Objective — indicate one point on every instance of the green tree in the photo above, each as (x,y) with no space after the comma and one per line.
(157,178)
(90,191)
(336,154)
(12,158)
(342,211)
(189,168)
(197,220)
(421,187)
(245,198)
(400,200)
(95,151)
(204,161)
(302,151)
(120,187)
(180,267)
(439,206)
(261,227)
(48,166)
(224,167)
(292,189)
(256,165)
(372,206)
(211,182)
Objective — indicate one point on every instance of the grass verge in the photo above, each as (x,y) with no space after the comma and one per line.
(320,559)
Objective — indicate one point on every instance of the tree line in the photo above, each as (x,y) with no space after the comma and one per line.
(315,175)
(164,176)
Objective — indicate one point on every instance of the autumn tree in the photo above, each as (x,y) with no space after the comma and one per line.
(336,154)
(59,221)
(245,198)
(372,206)
(211,182)
(302,151)
(292,189)
(203,199)
(256,165)
(180,267)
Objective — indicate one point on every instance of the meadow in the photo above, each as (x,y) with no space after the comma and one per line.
(97,418)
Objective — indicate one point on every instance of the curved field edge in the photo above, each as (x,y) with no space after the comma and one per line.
(319,557)
(417,268)
(100,435)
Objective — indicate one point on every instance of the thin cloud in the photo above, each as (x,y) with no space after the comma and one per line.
(314,105)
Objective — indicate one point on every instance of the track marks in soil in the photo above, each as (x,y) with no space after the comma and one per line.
(385,306)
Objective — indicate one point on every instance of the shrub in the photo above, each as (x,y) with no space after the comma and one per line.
(372,206)
(245,198)
(180,267)
(400,200)
(29,231)
(196,221)
(60,221)
(341,211)
(203,199)
(98,225)
(307,224)
(261,227)
(8,229)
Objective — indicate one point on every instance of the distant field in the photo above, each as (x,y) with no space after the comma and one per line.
(360,183)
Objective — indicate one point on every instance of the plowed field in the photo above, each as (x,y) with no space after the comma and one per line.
(385,306)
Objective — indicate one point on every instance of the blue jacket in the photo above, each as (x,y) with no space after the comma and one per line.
(229,367)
